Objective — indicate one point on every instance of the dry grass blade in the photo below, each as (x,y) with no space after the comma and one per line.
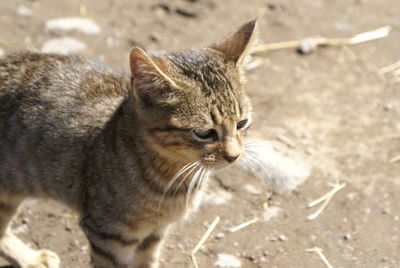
(203,239)
(371,35)
(70,216)
(321,255)
(394,159)
(390,68)
(322,41)
(243,225)
(325,199)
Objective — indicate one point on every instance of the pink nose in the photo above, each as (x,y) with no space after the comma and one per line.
(231,158)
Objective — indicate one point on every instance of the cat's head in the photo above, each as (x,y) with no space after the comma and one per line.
(192,104)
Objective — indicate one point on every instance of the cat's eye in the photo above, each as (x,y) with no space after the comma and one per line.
(204,134)
(242,124)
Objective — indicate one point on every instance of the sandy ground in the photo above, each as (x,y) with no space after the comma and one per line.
(331,107)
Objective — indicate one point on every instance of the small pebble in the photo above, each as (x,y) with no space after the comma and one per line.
(347,236)
(385,211)
(219,235)
(227,260)
(251,258)
(270,213)
(308,45)
(388,106)
(283,237)
(181,247)
(351,196)
(23,11)
(155,37)
(112,42)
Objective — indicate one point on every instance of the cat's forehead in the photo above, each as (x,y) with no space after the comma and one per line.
(216,79)
(209,71)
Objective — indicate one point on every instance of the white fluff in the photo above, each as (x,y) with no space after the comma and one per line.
(281,173)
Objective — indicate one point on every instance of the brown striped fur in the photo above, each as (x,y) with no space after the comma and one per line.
(108,144)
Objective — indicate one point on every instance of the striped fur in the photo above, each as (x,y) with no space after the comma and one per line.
(131,153)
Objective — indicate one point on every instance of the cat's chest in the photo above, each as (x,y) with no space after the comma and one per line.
(183,207)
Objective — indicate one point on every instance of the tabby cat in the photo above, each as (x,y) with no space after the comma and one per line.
(130,153)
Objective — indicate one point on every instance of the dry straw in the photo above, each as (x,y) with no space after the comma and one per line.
(310,44)
(203,239)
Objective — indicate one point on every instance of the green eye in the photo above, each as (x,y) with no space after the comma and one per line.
(204,134)
(242,124)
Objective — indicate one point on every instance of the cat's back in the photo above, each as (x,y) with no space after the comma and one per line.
(67,95)
(36,73)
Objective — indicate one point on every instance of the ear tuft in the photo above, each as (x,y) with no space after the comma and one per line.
(236,46)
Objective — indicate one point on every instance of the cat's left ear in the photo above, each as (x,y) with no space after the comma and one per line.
(150,78)
(237,45)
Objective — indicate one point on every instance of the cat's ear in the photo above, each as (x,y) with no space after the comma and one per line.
(149,76)
(236,46)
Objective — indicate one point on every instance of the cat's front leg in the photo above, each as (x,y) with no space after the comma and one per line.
(148,251)
(109,248)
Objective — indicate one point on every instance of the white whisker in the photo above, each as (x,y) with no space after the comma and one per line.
(184,178)
(266,170)
(199,173)
(180,172)
(185,168)
(278,171)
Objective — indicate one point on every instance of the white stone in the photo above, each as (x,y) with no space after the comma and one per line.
(23,11)
(217,198)
(270,213)
(64,25)
(63,45)
(227,260)
(219,235)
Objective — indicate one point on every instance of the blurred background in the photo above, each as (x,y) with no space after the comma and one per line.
(337,108)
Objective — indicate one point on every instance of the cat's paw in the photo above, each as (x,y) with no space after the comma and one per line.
(45,259)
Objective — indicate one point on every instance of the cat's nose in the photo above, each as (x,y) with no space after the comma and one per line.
(230,158)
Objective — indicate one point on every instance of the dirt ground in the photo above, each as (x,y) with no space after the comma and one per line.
(332,107)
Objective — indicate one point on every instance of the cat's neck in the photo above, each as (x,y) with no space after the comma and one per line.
(156,167)
(168,172)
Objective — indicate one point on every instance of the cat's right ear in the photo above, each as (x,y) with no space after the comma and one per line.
(149,76)
(236,47)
